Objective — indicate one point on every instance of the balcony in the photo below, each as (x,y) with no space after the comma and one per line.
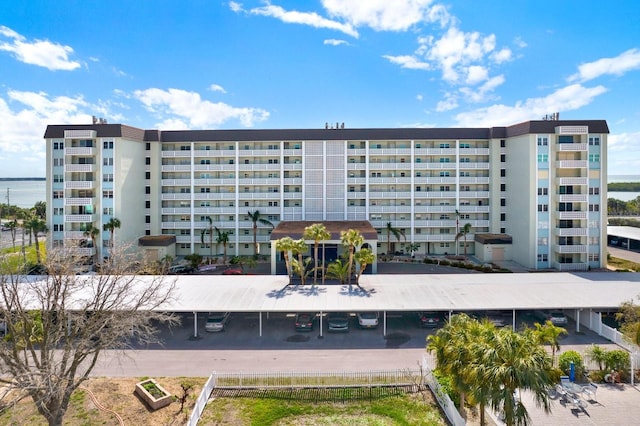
(176,225)
(477,180)
(434,209)
(211,196)
(79,184)
(80,150)
(173,154)
(571,181)
(473,209)
(83,251)
(78,201)
(435,151)
(474,151)
(176,210)
(387,195)
(373,151)
(80,134)
(80,218)
(176,167)
(215,210)
(71,168)
(572,164)
(569,249)
(259,167)
(389,166)
(294,181)
(572,147)
(572,215)
(572,198)
(175,182)
(176,196)
(571,232)
(261,181)
(390,209)
(572,130)
(569,267)
(474,166)
(74,235)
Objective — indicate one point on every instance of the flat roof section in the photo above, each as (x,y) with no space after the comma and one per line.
(629,232)
(458,292)
(295,228)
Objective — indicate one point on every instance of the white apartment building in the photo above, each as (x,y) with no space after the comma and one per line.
(539,186)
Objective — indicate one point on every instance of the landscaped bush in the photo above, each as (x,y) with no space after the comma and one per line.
(618,360)
(565,359)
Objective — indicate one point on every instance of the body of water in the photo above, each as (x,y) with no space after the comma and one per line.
(26,193)
(23,193)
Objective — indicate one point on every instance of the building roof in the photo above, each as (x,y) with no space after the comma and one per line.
(493,238)
(321,134)
(629,232)
(295,229)
(458,292)
(156,240)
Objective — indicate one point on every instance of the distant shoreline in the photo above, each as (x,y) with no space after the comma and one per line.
(9,179)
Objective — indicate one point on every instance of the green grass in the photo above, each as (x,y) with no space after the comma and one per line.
(12,262)
(405,410)
(622,264)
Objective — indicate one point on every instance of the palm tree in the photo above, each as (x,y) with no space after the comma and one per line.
(351,239)
(549,334)
(210,232)
(338,270)
(597,354)
(363,257)
(396,233)
(316,232)
(36,225)
(412,248)
(13,226)
(40,209)
(463,233)
(285,244)
(111,226)
(92,232)
(256,218)
(223,238)
(299,248)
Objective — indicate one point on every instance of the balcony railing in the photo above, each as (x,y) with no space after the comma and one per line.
(575,147)
(571,232)
(80,218)
(568,249)
(572,164)
(78,201)
(71,168)
(79,184)
(80,150)
(80,134)
(567,267)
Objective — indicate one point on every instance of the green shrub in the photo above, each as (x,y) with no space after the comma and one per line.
(617,359)
(565,359)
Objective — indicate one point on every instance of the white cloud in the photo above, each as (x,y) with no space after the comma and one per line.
(623,154)
(502,55)
(43,53)
(484,92)
(519,42)
(407,61)
(449,102)
(334,42)
(305,18)
(564,99)
(384,15)
(235,6)
(419,98)
(217,88)
(626,61)
(476,74)
(188,107)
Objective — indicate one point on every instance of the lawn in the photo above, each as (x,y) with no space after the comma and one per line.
(117,395)
(622,264)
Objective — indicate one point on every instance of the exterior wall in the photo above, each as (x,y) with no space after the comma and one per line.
(186,183)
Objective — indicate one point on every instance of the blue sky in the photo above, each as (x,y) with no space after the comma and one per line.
(299,64)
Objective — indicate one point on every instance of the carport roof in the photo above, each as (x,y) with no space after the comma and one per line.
(459,292)
(630,232)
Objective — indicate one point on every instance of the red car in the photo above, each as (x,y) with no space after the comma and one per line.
(232,272)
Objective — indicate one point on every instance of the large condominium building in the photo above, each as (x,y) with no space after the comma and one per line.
(537,189)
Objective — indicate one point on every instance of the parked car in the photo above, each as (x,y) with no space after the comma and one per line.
(558,318)
(216,321)
(368,319)
(180,269)
(429,319)
(304,321)
(338,322)
(232,272)
(496,318)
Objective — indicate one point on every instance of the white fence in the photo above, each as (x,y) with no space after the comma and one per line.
(201,402)
(449,408)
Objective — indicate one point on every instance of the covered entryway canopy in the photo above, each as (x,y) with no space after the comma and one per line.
(295,230)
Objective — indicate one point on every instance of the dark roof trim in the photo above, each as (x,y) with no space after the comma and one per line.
(295,229)
(156,240)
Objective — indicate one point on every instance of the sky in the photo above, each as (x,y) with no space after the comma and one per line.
(213,64)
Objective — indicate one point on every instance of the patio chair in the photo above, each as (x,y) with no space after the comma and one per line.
(564,379)
(589,392)
(562,393)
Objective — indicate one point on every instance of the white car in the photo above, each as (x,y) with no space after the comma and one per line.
(368,319)
(216,321)
(558,318)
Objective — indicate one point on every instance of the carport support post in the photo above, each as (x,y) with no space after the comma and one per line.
(260,322)
(633,362)
(321,324)
(195,324)
(578,320)
(513,320)
(384,323)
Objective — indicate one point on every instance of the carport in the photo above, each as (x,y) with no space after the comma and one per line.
(575,292)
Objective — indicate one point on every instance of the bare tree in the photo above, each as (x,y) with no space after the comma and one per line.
(58,324)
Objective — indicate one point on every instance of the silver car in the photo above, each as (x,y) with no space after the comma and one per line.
(216,321)
(338,322)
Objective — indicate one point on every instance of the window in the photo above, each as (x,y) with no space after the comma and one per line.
(444,188)
(543,241)
(465,174)
(107,211)
(445,230)
(465,145)
(205,161)
(147,219)
(107,145)
(418,174)
(147,204)
(465,160)
(543,257)
(444,145)
(445,174)
(503,143)
(503,173)
(543,158)
(503,202)
(594,158)
(185,245)
(273,161)
(205,190)
(594,207)
(543,191)
(594,257)
(418,160)
(58,161)
(107,194)
(58,227)
(57,211)
(503,158)
(108,177)
(147,161)
(147,146)
(185,148)
(594,241)
(107,161)
(185,190)
(147,190)
(503,187)
(543,207)
(147,175)
(58,194)
(594,140)
(418,188)
(503,230)
(58,178)
(503,217)
(594,191)
(444,159)
(58,145)
(543,141)
(273,204)
(444,245)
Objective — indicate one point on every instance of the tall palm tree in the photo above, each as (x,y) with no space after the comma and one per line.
(256,218)
(351,239)
(223,238)
(299,248)
(338,270)
(13,226)
(285,244)
(316,232)
(396,233)
(111,226)
(93,232)
(463,233)
(549,334)
(36,225)
(210,232)
(40,209)
(363,257)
